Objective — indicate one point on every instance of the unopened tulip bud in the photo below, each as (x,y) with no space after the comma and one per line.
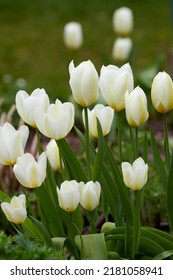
(135,176)
(105,116)
(26,104)
(84,83)
(69,195)
(114,82)
(162,92)
(136,107)
(121,49)
(90,195)
(73,37)
(30,173)
(57,121)
(15,211)
(52,153)
(12,143)
(123,21)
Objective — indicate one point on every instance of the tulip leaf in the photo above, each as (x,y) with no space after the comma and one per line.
(41,228)
(158,161)
(58,242)
(72,161)
(4,197)
(120,185)
(92,246)
(96,171)
(29,226)
(164,255)
(170,194)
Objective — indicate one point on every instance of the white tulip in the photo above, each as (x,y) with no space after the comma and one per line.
(57,121)
(26,104)
(90,195)
(121,49)
(123,21)
(135,176)
(69,195)
(12,143)
(136,107)
(84,83)
(162,92)
(104,114)
(73,36)
(114,82)
(52,153)
(15,211)
(29,173)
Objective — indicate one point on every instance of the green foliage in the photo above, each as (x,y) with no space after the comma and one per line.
(20,247)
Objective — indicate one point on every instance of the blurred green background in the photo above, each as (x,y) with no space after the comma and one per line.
(32,48)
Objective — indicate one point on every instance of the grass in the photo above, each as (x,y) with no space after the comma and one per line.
(32,46)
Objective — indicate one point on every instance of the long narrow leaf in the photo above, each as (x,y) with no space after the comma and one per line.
(164,255)
(120,185)
(170,194)
(158,161)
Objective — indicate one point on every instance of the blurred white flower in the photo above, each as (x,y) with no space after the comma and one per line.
(52,153)
(73,35)
(121,49)
(123,21)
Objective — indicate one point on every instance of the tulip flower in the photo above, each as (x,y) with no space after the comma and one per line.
(121,49)
(52,153)
(114,82)
(135,175)
(12,143)
(73,36)
(15,211)
(123,21)
(57,121)
(136,107)
(105,116)
(162,92)
(69,195)
(84,83)
(30,173)
(26,104)
(90,195)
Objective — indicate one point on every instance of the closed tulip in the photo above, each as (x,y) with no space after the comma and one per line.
(29,173)
(57,121)
(105,116)
(73,36)
(15,211)
(162,92)
(26,104)
(90,195)
(69,195)
(84,83)
(12,143)
(52,153)
(123,21)
(136,107)
(121,49)
(114,82)
(135,176)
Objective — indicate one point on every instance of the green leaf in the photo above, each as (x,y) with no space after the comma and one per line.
(164,255)
(97,168)
(170,194)
(29,226)
(41,228)
(93,246)
(58,242)
(74,165)
(4,197)
(158,161)
(120,185)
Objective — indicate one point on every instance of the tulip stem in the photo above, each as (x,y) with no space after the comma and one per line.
(136,142)
(166,142)
(87,142)
(136,223)
(39,141)
(119,136)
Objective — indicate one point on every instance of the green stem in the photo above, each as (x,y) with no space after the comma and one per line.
(136,142)
(40,149)
(132,144)
(166,142)
(28,203)
(87,142)
(119,136)
(136,224)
